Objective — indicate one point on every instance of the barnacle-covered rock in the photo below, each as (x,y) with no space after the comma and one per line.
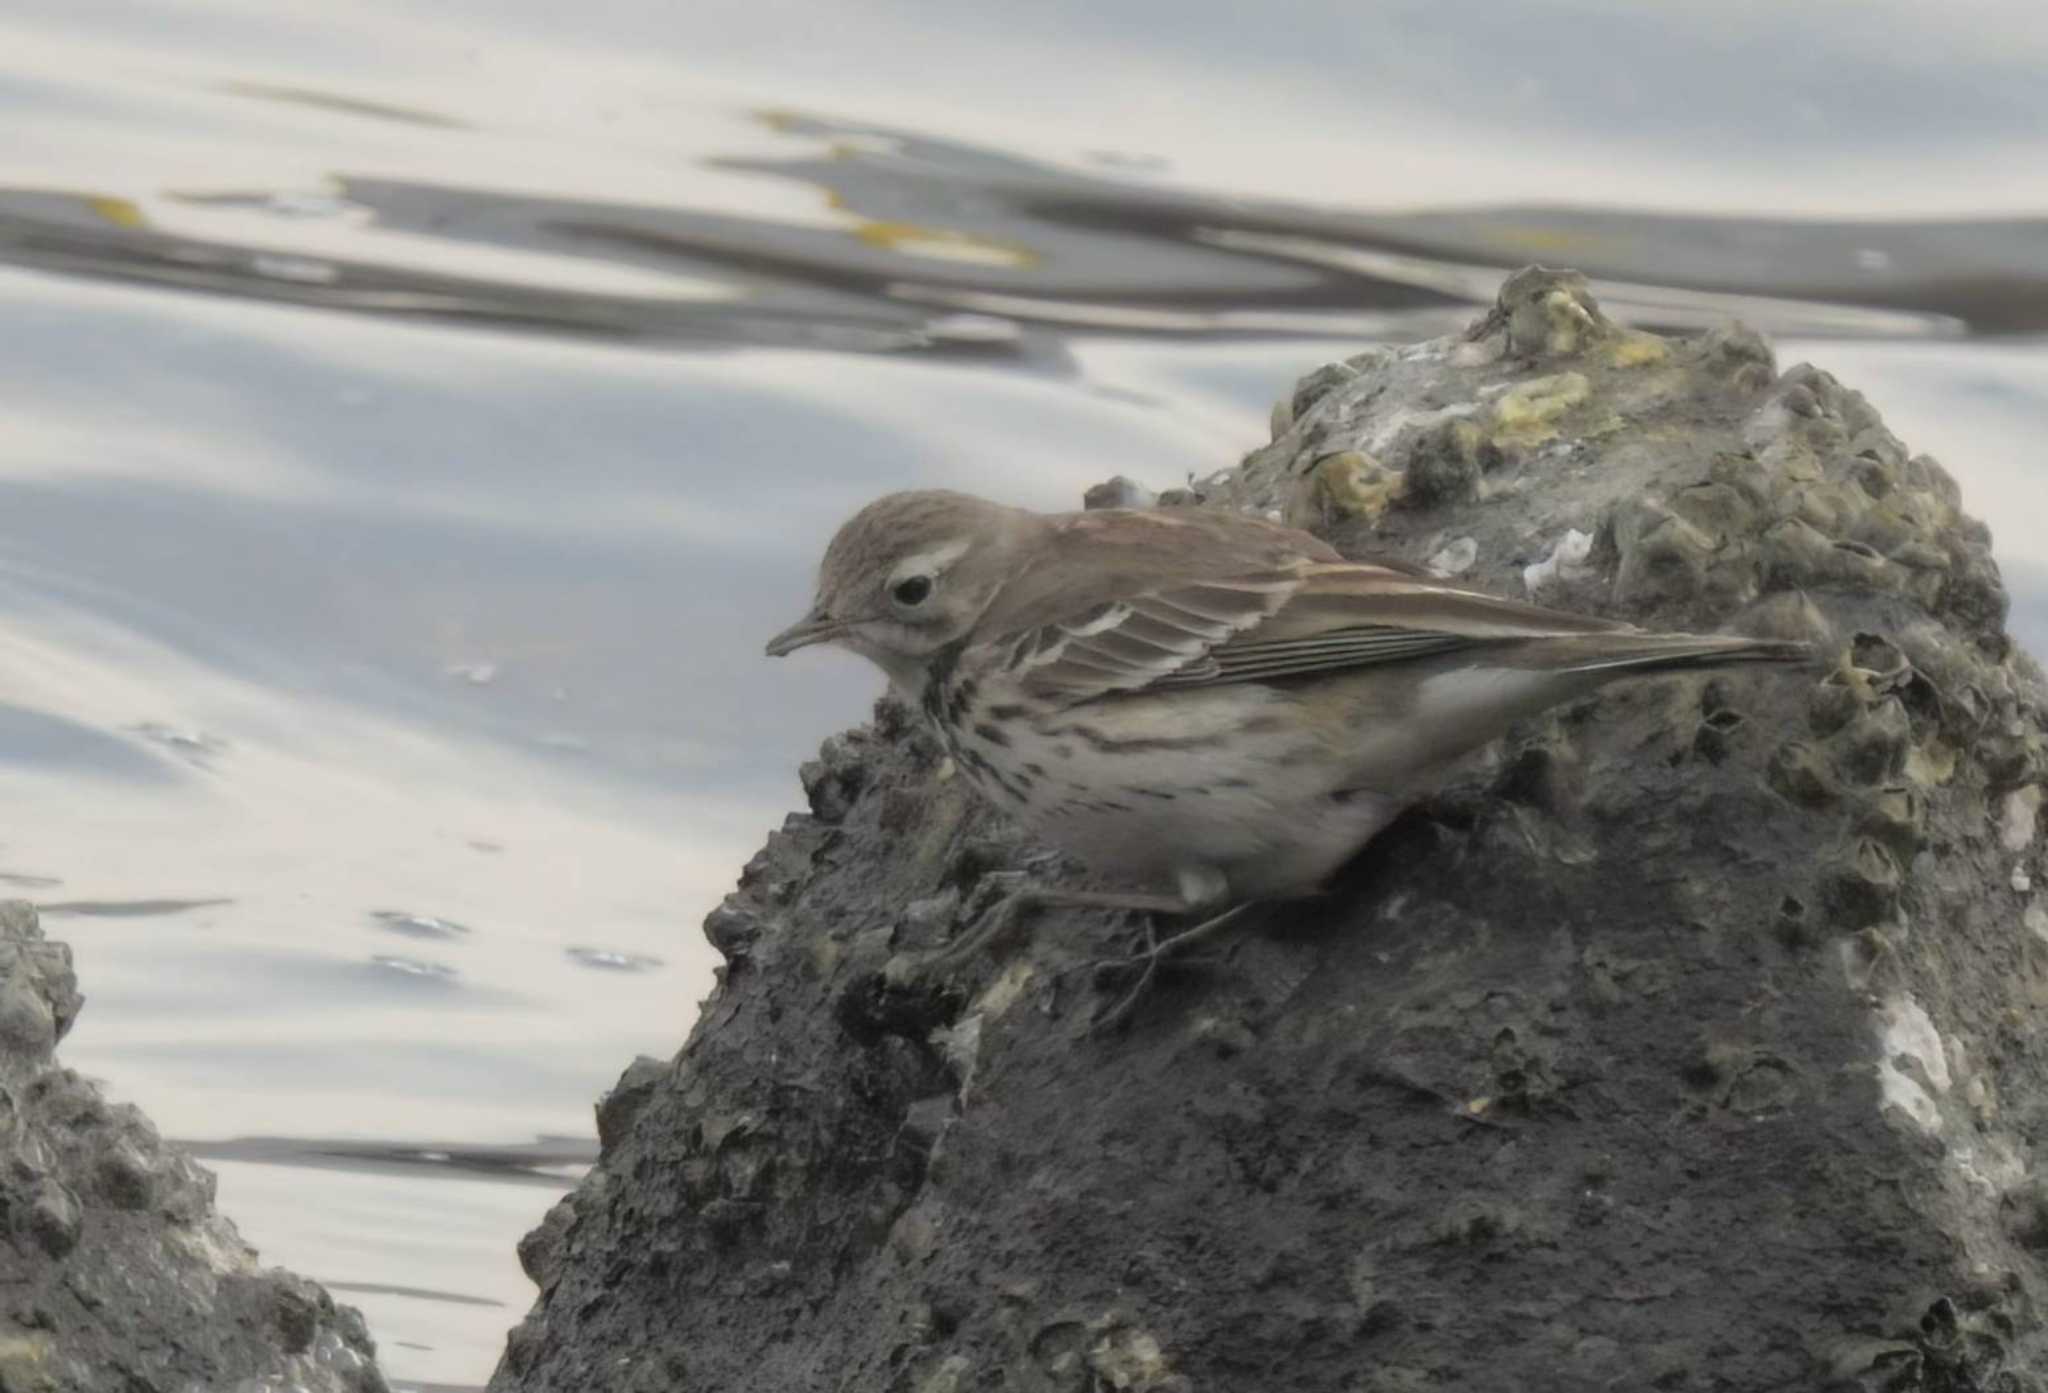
(116,1271)
(1352,484)
(1691,1040)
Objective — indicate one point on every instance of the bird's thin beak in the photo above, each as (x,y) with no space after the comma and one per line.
(815,627)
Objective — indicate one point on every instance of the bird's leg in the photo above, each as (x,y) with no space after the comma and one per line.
(1025,898)
(1020,897)
(1158,950)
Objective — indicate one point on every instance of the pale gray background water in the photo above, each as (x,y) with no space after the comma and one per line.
(412,419)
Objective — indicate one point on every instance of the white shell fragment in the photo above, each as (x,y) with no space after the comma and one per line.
(1567,560)
(1455,558)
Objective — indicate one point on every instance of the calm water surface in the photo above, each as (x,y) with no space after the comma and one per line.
(410,428)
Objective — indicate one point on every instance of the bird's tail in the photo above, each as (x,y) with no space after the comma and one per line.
(1646,653)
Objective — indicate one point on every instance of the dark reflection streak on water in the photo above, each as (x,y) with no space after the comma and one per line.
(612,959)
(1991,273)
(530,1164)
(347,106)
(863,268)
(455,1298)
(414,974)
(125,909)
(931,228)
(424,926)
(62,233)
(133,606)
(38,738)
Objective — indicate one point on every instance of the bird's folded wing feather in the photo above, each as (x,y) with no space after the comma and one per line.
(1285,622)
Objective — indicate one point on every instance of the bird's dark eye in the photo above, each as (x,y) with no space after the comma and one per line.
(913,591)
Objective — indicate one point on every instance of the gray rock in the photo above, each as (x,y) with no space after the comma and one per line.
(1693,1040)
(1119,492)
(115,1272)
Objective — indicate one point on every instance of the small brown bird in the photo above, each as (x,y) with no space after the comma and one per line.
(1195,698)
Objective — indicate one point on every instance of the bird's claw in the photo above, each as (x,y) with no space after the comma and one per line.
(1146,963)
(1108,1018)
(1000,899)
(993,888)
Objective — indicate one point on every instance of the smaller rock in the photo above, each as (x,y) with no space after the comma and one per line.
(1743,355)
(296,1306)
(27,1027)
(617,1109)
(126,1175)
(117,1258)
(733,927)
(185,1190)
(1119,492)
(53,1218)
(1316,386)
(540,1250)
(1547,314)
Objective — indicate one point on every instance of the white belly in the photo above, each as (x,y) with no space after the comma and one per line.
(1149,790)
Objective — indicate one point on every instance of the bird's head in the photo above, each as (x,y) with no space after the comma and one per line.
(909,574)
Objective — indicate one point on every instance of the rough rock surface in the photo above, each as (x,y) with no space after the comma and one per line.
(116,1275)
(1693,1040)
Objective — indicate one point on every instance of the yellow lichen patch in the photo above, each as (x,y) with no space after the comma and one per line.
(826,955)
(1127,1359)
(120,212)
(1567,322)
(1633,350)
(205,1245)
(1602,426)
(1528,414)
(1468,438)
(1003,993)
(945,244)
(949,1376)
(23,1360)
(1352,484)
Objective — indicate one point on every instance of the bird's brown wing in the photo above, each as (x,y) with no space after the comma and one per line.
(1178,619)
(1170,634)
(1120,598)
(1350,615)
